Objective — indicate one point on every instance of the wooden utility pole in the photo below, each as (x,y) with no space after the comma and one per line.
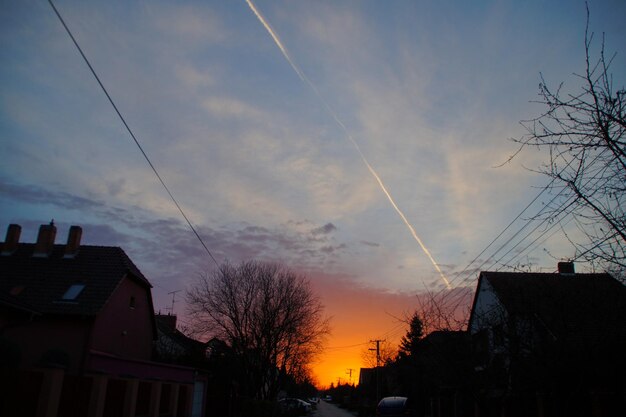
(377,370)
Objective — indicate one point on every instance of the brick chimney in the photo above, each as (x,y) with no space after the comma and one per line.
(168,320)
(566,268)
(45,240)
(12,240)
(73,241)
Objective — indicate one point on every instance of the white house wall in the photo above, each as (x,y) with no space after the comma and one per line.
(487,310)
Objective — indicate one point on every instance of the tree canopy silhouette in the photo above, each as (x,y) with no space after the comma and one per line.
(269,317)
(410,341)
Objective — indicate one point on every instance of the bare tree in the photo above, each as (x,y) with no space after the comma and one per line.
(443,310)
(267,314)
(582,133)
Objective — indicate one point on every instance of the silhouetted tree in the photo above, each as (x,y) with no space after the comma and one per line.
(410,341)
(582,133)
(267,314)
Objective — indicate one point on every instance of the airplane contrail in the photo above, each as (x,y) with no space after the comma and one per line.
(276,40)
(332,113)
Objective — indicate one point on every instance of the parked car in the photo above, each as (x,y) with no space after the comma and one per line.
(294,406)
(313,401)
(394,407)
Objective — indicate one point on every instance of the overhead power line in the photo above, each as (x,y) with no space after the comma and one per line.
(501,233)
(558,211)
(547,206)
(180,209)
(347,346)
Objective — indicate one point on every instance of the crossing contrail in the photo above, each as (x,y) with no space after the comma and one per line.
(332,113)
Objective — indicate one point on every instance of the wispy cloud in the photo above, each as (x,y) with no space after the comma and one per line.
(324,230)
(231,107)
(429,91)
(373,244)
(193,77)
(351,139)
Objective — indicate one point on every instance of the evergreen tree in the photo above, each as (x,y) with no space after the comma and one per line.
(410,341)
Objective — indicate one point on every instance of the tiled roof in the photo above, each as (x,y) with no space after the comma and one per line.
(571,306)
(183,340)
(13,303)
(41,282)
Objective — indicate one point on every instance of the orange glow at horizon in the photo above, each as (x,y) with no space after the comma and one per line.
(337,362)
(358,315)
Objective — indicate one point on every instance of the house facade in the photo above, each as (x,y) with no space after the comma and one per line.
(549,344)
(78,323)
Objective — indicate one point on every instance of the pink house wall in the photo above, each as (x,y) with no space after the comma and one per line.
(125,327)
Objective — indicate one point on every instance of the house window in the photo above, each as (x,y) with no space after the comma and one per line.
(73,291)
(132,302)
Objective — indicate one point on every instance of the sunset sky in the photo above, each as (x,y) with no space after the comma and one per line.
(272,130)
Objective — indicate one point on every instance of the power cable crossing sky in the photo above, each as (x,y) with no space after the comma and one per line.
(132,135)
(252,166)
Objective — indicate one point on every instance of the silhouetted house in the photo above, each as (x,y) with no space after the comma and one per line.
(216,348)
(376,383)
(78,325)
(173,346)
(549,344)
(444,371)
(436,375)
(372,386)
(367,376)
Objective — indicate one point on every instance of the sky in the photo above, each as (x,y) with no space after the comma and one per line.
(360,143)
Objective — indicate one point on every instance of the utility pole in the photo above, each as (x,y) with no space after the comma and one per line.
(349,372)
(377,341)
(377,370)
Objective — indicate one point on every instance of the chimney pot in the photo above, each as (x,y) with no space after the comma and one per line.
(566,268)
(12,239)
(45,240)
(168,320)
(73,241)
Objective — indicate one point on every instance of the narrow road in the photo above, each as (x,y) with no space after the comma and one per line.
(325,409)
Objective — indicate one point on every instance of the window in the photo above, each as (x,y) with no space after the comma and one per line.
(132,301)
(73,291)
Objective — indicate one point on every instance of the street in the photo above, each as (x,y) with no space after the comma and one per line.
(325,409)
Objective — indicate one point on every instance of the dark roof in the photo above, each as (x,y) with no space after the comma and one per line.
(440,337)
(567,305)
(41,282)
(10,302)
(184,341)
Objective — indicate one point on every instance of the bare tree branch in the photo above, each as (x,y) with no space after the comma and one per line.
(583,134)
(267,314)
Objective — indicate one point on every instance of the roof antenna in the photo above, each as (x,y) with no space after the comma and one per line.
(171,309)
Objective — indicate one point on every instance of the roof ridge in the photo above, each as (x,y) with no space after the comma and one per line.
(47,278)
